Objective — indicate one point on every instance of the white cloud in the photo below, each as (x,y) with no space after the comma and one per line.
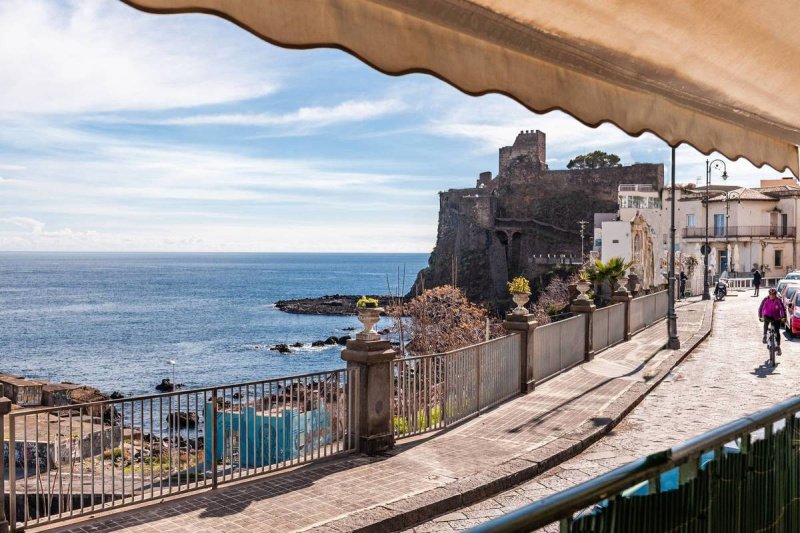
(30,224)
(100,55)
(497,121)
(311,117)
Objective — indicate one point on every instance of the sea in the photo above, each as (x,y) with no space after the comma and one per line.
(115,320)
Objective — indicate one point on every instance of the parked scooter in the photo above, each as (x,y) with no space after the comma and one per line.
(721,290)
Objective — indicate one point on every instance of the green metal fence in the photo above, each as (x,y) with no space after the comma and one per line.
(741,477)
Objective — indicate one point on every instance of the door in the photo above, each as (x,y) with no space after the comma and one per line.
(784,223)
(723,261)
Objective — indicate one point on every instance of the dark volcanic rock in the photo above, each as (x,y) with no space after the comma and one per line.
(343,340)
(297,345)
(336,304)
(332,340)
(317,344)
(166,385)
(182,420)
(116,395)
(281,348)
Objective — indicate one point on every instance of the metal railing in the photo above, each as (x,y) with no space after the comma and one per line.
(434,391)
(558,346)
(743,476)
(608,326)
(647,309)
(636,187)
(75,459)
(740,231)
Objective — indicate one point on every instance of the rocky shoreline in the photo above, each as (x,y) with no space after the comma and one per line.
(336,304)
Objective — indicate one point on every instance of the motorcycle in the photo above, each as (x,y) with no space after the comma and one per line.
(720,291)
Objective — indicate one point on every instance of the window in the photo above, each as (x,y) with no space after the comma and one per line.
(690,220)
(719,225)
(778,258)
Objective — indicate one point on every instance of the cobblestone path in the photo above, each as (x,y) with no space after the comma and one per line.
(720,381)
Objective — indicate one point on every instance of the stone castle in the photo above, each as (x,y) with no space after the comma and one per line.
(508,225)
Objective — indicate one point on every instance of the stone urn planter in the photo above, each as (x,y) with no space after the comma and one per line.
(583,287)
(622,284)
(369,316)
(520,298)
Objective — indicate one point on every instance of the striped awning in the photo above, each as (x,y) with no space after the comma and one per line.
(721,76)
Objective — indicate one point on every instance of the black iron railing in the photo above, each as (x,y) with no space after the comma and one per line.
(742,476)
(740,231)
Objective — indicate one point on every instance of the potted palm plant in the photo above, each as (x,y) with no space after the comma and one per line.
(520,290)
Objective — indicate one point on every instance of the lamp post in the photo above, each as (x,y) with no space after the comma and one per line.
(728,197)
(582,224)
(716,164)
(173,363)
(673,342)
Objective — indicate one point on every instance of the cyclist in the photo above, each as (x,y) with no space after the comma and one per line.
(771,311)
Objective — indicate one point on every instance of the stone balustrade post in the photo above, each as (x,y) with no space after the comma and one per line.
(586,307)
(373,360)
(5,408)
(524,325)
(624,297)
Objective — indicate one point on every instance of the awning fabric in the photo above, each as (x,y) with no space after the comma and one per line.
(721,75)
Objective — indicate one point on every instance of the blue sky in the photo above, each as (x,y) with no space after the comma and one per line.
(124,131)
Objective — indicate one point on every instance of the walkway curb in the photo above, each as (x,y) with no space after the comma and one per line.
(411,511)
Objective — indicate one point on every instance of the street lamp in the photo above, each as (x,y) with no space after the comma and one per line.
(582,224)
(716,164)
(728,197)
(173,363)
(673,342)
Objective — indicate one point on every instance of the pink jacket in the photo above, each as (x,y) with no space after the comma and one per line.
(771,308)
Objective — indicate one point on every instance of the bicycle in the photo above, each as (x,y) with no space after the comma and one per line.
(772,342)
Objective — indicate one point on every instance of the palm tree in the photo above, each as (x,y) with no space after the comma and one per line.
(608,272)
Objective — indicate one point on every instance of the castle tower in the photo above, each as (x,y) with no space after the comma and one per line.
(530,143)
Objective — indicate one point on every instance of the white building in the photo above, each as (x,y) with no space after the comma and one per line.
(634,232)
(747,229)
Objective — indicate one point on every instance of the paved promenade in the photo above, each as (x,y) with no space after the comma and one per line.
(418,480)
(720,381)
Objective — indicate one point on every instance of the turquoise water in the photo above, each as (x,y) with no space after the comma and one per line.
(114,320)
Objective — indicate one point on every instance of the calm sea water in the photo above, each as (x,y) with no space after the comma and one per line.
(114,320)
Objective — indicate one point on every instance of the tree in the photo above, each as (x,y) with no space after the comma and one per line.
(608,272)
(442,319)
(596,159)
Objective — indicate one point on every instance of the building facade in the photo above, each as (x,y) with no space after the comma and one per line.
(747,229)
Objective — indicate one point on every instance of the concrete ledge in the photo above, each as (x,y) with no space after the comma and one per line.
(411,511)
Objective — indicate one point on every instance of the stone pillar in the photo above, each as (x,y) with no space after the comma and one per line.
(625,297)
(374,402)
(587,308)
(524,325)
(633,284)
(5,408)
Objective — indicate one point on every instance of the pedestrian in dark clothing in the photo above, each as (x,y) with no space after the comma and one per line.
(756,280)
(682,293)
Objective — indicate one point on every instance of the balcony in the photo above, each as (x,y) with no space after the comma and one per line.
(636,187)
(782,232)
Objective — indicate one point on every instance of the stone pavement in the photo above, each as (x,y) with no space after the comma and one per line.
(722,380)
(426,477)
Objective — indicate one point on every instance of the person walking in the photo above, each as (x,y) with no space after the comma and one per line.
(683,279)
(756,281)
(771,311)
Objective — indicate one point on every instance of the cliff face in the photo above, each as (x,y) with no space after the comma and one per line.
(507,225)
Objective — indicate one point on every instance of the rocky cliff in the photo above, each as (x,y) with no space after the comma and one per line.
(508,225)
